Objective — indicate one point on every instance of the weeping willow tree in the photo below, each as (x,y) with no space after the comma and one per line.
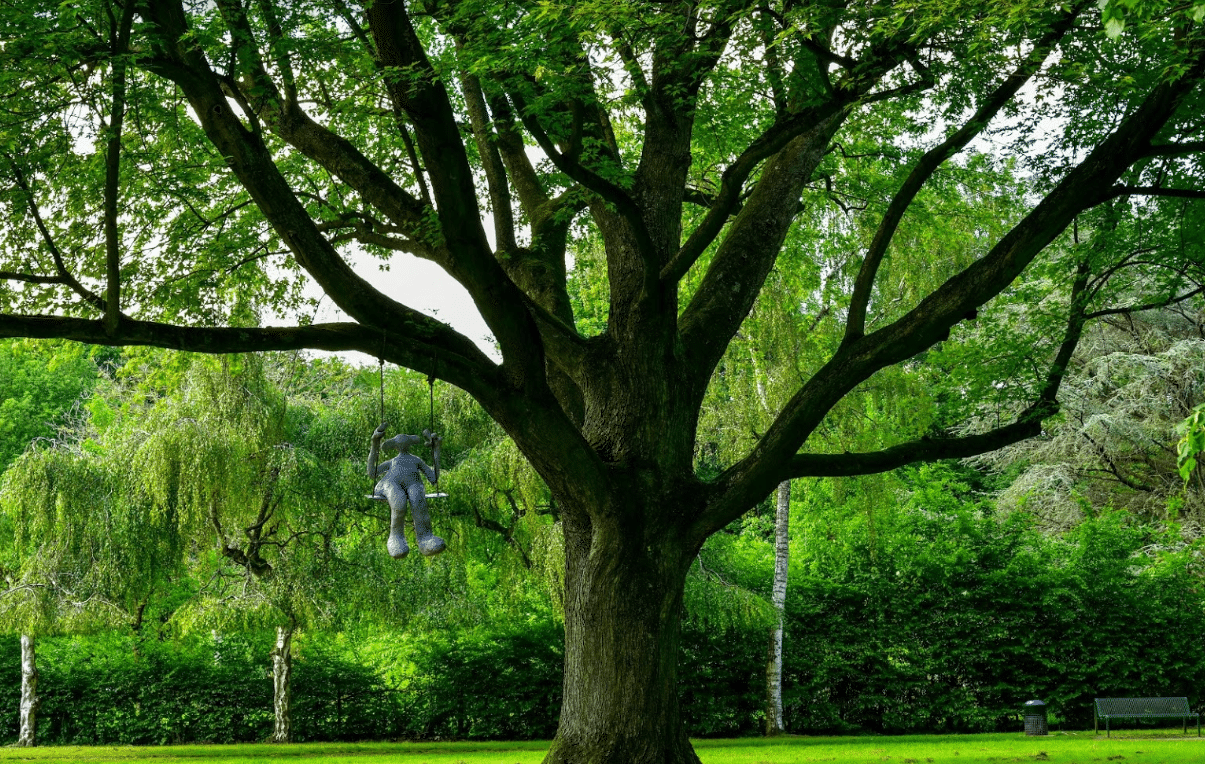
(75,555)
(205,482)
(40,387)
(244,476)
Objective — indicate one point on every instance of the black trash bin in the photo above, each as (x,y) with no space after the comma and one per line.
(1035,718)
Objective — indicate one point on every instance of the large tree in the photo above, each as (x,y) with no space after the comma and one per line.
(162,158)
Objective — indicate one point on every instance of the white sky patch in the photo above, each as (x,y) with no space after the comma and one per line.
(414,282)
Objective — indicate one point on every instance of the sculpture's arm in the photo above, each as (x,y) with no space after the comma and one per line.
(375,450)
(435,442)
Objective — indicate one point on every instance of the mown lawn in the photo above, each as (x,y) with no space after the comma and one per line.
(1146,747)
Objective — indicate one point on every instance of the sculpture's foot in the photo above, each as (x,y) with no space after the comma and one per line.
(397,546)
(431,545)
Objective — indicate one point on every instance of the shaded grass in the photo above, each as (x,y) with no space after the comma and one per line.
(1129,747)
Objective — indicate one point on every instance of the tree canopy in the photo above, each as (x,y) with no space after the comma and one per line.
(40,386)
(947,192)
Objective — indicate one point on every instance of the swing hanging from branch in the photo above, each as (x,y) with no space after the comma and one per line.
(400,479)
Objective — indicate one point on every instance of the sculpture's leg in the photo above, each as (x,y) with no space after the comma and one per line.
(396,545)
(428,543)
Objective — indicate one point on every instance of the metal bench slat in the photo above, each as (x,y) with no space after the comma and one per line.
(1138,708)
(1143,706)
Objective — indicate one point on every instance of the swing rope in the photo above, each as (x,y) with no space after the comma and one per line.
(431,400)
(430,386)
(381,374)
(431,409)
(381,402)
(431,389)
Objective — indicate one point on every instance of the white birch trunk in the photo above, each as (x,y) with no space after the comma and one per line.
(29,691)
(782,548)
(282,670)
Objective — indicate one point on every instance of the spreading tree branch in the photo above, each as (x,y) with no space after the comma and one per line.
(331,151)
(1173,193)
(120,45)
(491,161)
(419,343)
(757,474)
(63,275)
(732,182)
(528,187)
(745,256)
(1027,425)
(1148,306)
(415,87)
(923,450)
(566,163)
(855,325)
(1175,149)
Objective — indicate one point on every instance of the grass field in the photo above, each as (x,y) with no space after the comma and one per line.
(1145,747)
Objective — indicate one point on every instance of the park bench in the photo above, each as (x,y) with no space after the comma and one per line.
(1143,708)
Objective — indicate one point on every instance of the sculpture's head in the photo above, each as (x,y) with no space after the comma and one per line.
(402,442)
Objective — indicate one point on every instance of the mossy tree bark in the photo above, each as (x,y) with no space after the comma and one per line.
(622,622)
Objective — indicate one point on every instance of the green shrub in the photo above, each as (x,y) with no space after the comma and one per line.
(950,622)
(944,623)
(502,683)
(963,619)
(99,691)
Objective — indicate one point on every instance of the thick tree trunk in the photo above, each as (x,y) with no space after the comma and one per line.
(782,550)
(29,691)
(282,671)
(622,624)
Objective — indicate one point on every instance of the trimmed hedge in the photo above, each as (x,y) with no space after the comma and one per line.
(947,624)
(485,684)
(98,691)
(957,621)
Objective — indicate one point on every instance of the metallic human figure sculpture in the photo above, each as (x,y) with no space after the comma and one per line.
(399,482)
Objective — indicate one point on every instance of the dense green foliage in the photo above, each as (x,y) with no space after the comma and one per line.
(838,238)
(948,622)
(40,384)
(487,683)
(945,620)
(99,691)
(959,620)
